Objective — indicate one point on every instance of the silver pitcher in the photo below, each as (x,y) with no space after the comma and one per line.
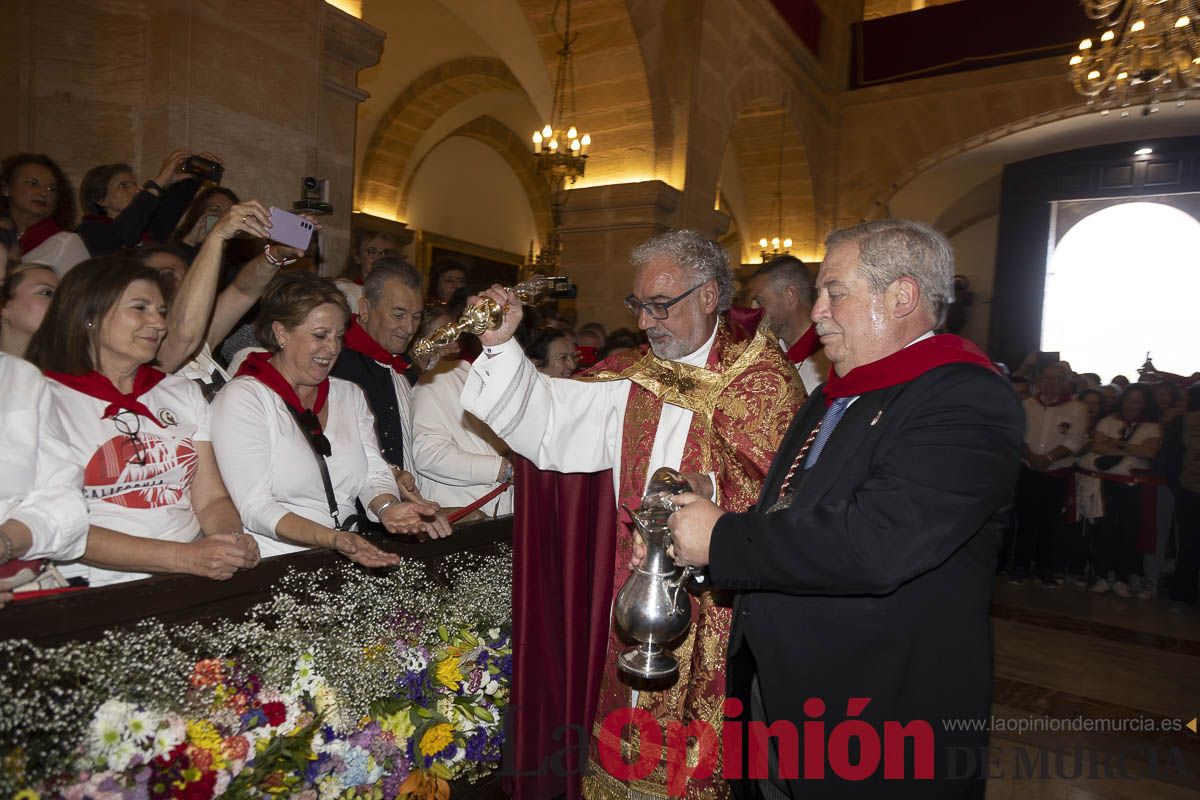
(653,607)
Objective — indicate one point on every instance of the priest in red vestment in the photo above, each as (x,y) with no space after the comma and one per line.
(712,399)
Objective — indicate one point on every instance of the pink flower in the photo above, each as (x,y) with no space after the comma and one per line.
(207,672)
(236,748)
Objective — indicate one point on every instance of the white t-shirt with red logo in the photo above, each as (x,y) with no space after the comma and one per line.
(137,476)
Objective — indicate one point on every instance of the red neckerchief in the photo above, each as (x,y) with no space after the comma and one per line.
(259,367)
(805,346)
(38,233)
(905,365)
(358,340)
(96,385)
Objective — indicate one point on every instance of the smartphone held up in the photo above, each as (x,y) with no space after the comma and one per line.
(289,229)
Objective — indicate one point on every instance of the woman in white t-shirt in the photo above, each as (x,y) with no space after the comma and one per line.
(155,497)
(281,409)
(1123,446)
(42,513)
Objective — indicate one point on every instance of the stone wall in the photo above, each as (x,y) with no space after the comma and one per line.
(270,86)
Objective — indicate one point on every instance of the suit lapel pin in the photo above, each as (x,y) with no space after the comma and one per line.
(878,414)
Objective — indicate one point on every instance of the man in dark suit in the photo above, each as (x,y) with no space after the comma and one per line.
(864,574)
(389,313)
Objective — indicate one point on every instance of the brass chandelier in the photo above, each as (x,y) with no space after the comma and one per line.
(560,150)
(779,246)
(1147,53)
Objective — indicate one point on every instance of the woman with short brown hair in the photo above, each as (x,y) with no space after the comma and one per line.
(299,447)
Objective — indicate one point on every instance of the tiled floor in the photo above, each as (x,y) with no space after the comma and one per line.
(1066,658)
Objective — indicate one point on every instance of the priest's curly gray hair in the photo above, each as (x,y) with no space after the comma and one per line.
(701,258)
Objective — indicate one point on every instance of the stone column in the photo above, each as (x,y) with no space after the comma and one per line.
(601,225)
(270,87)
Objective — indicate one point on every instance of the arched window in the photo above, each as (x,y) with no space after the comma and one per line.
(1122,282)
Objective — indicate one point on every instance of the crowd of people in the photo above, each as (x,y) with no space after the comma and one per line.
(1109,495)
(189,377)
(181,394)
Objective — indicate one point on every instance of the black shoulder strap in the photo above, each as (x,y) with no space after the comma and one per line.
(352,522)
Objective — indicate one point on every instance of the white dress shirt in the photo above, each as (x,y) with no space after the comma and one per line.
(566,425)
(813,370)
(60,252)
(1047,427)
(270,469)
(203,368)
(353,292)
(41,486)
(456,457)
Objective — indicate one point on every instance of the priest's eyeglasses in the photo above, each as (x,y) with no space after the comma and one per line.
(657,310)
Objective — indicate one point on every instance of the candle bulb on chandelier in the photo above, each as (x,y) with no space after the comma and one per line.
(554,145)
(572,133)
(585,143)
(537,141)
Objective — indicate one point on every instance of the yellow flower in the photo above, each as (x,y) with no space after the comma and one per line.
(27,794)
(399,725)
(448,674)
(203,734)
(436,739)
(373,651)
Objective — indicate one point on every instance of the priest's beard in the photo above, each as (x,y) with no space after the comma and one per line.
(666,346)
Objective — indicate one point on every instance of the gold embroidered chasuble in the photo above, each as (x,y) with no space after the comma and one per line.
(742,402)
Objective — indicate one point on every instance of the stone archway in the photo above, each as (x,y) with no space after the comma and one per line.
(750,94)
(421,104)
(513,149)
(753,149)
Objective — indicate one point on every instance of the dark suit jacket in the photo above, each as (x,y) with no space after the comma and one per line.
(876,582)
(376,383)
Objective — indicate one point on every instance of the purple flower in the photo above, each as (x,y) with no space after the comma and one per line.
(364,737)
(316,768)
(254,718)
(476,745)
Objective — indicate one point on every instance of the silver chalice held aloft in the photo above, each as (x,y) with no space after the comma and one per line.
(652,607)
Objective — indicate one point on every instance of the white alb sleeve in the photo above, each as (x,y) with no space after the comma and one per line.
(559,424)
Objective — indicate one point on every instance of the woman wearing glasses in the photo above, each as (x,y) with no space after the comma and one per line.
(298,447)
(155,497)
(367,247)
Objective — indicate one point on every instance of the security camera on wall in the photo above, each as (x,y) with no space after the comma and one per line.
(314,197)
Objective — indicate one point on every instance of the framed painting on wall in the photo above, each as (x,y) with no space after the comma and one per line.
(483,265)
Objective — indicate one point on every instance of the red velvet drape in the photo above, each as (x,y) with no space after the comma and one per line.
(563,550)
